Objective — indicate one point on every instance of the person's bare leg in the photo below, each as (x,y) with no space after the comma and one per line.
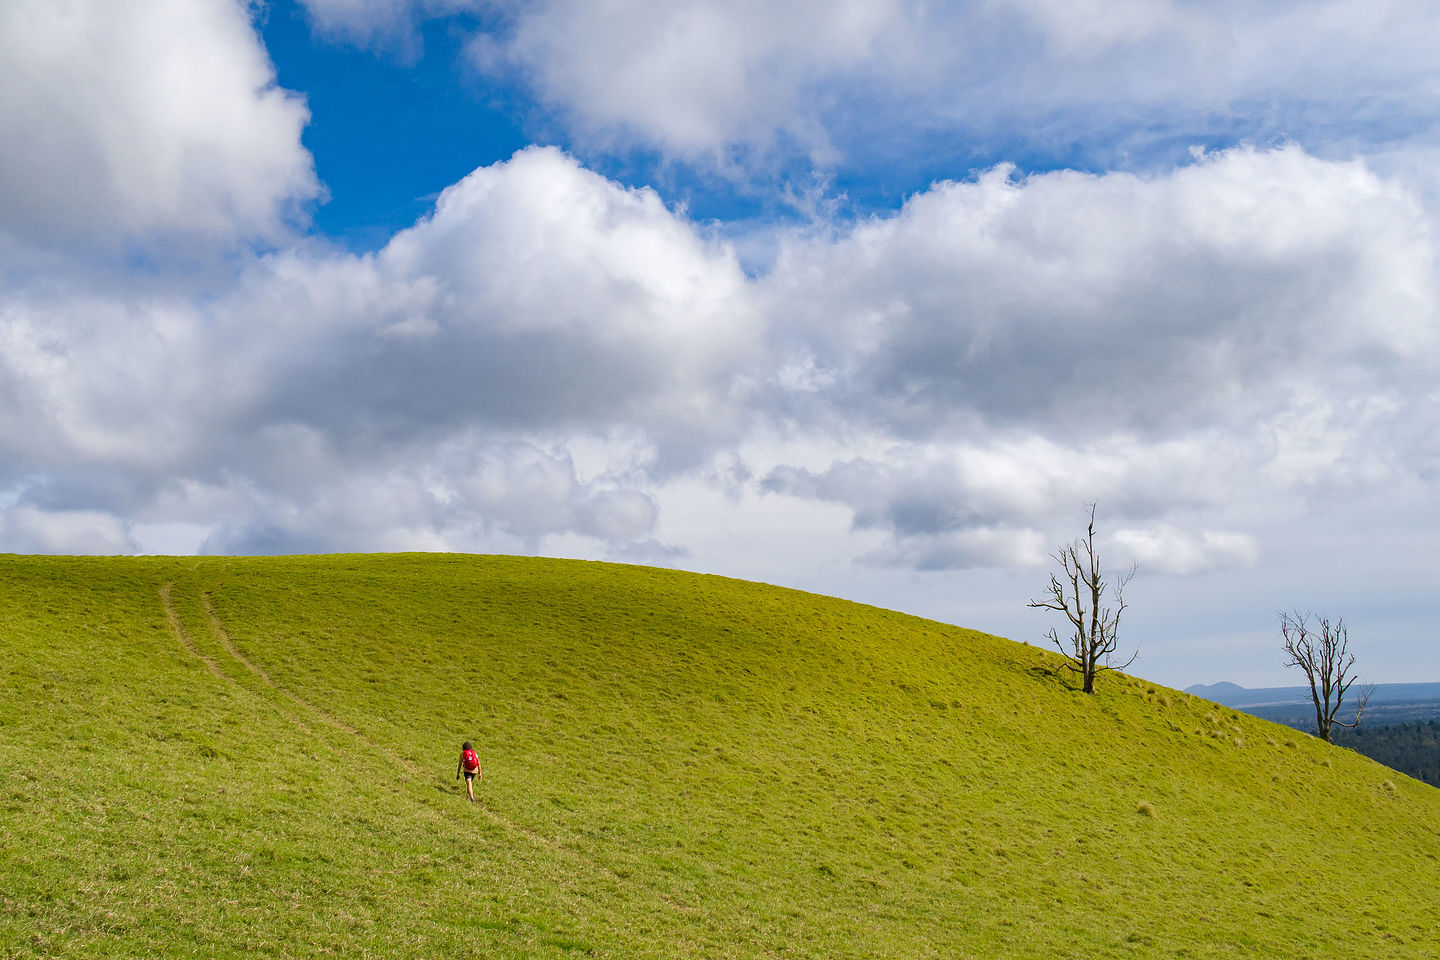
(470,788)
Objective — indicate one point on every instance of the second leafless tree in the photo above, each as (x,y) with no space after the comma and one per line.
(1322,651)
(1078,592)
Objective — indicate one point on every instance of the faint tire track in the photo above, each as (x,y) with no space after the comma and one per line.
(185,639)
(222,636)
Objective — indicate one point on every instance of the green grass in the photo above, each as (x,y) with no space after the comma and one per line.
(675,766)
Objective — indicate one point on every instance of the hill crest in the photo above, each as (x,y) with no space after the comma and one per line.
(675,766)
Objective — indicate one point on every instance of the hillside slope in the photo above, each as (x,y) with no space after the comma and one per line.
(255,757)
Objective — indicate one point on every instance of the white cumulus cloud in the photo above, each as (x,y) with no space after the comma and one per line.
(144,123)
(548,357)
(730,82)
(1250,328)
(429,394)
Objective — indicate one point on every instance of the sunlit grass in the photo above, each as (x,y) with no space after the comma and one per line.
(674,766)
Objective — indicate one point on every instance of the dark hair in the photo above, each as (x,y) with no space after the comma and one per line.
(466,746)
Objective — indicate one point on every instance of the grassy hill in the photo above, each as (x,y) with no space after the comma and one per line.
(255,757)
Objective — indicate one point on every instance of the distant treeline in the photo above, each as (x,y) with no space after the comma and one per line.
(1301,716)
(1411,745)
(1411,748)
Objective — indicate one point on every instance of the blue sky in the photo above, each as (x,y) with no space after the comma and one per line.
(389,131)
(404,110)
(866,297)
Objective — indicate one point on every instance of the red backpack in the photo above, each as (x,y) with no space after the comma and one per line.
(469,760)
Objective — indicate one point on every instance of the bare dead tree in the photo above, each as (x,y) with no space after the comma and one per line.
(1077,592)
(1328,663)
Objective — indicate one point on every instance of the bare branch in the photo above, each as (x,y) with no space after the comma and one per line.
(1361,702)
(1078,591)
(1325,658)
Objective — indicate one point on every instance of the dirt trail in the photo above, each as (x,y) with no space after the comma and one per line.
(182,636)
(222,636)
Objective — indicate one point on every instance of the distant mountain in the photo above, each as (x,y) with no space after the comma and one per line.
(1234,695)
(1217,691)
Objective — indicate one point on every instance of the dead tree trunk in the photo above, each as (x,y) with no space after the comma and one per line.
(1077,592)
(1326,659)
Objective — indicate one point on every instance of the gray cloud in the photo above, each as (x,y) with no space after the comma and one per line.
(470,493)
(67,532)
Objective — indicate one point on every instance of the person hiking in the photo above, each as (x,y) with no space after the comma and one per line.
(470,766)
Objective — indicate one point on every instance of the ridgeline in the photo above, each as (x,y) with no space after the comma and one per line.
(238,757)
